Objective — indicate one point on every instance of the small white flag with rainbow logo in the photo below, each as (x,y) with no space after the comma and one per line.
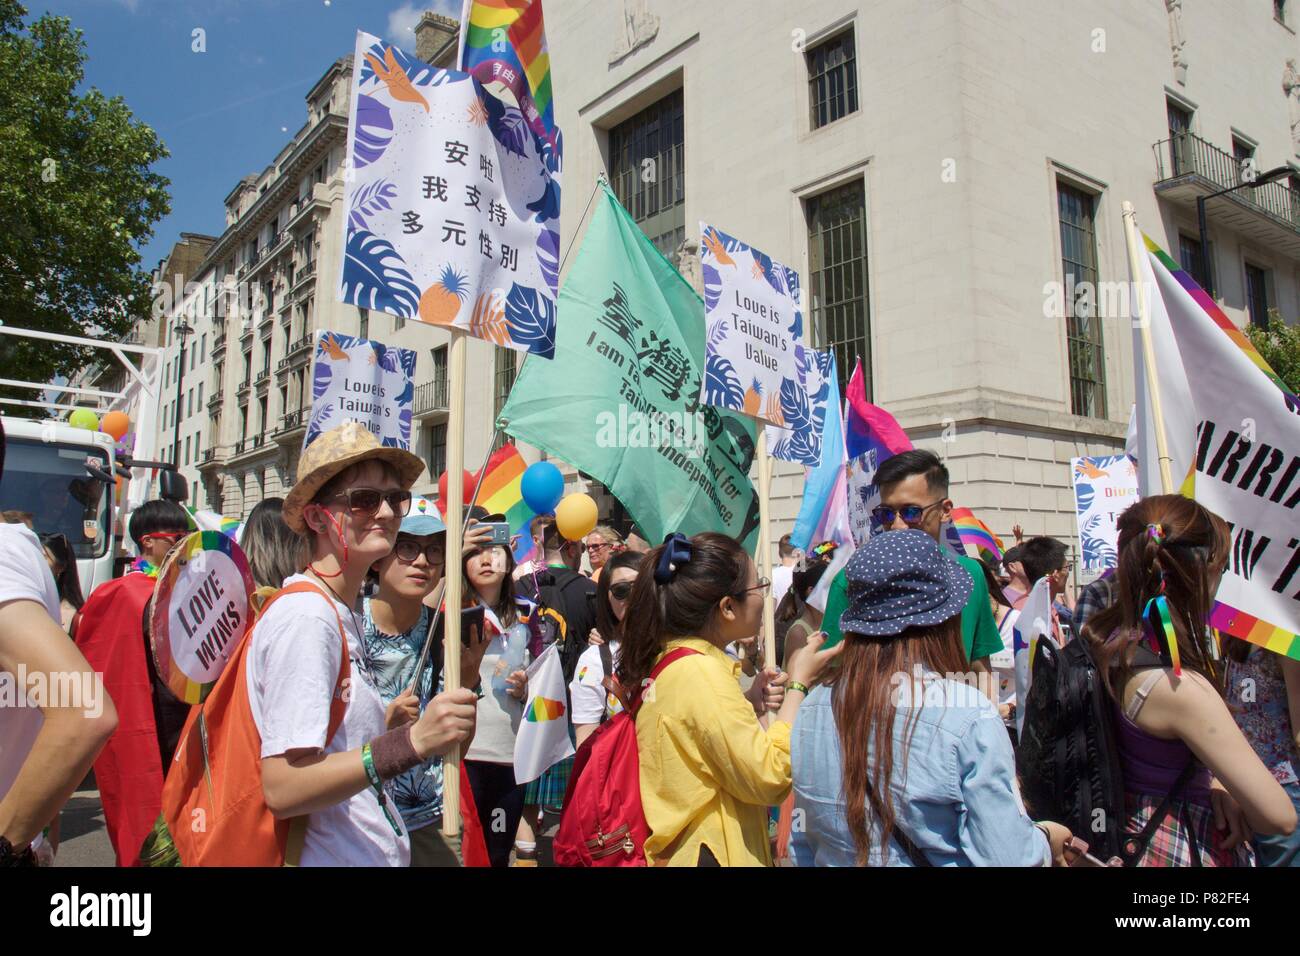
(543,738)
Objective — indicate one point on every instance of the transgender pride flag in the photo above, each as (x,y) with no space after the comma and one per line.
(824,514)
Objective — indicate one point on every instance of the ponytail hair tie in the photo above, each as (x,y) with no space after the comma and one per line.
(677,551)
(1156,533)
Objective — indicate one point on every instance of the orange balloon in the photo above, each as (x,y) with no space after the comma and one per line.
(115,424)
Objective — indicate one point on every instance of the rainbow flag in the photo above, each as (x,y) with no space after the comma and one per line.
(499,493)
(543,709)
(976,534)
(523,64)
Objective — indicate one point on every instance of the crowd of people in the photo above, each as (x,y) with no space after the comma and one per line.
(882,734)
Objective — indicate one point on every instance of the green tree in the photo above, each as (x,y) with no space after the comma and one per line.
(77,199)
(1279,344)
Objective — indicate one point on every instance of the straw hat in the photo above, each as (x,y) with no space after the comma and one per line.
(335,451)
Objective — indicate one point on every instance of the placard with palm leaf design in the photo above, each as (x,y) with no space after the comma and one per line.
(453,204)
(754,323)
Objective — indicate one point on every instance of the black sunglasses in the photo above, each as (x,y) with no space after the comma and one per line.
(366,501)
(408,550)
(911,514)
(621,590)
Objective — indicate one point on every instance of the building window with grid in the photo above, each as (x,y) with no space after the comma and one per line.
(840,314)
(437,459)
(502,379)
(1180,142)
(1258,282)
(1244,153)
(1191,258)
(833,79)
(439,356)
(647,170)
(1077,212)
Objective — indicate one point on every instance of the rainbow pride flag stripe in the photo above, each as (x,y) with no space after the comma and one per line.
(500,493)
(1214,312)
(1225,617)
(976,534)
(543,709)
(526,58)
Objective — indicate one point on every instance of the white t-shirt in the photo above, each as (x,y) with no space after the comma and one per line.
(293,664)
(496,723)
(587,692)
(1003,662)
(24,576)
(782,578)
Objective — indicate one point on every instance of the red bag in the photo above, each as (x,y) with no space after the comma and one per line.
(603,823)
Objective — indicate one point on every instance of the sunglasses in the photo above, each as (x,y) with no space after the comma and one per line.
(911,514)
(407,551)
(620,592)
(366,501)
(601,546)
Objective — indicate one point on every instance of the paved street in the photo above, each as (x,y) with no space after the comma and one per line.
(84,841)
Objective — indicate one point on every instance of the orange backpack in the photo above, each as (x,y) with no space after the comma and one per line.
(212,803)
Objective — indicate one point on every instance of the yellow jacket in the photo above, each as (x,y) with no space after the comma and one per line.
(709,771)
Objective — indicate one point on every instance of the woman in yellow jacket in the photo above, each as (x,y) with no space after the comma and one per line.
(709,770)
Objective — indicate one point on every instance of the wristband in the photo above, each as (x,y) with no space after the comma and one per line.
(392,754)
(797,685)
(376,784)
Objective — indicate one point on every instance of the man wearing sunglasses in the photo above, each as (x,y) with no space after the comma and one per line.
(914,494)
(109,631)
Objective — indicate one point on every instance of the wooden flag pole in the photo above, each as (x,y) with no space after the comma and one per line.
(764,556)
(1135,252)
(455,583)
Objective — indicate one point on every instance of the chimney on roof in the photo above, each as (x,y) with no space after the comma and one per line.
(436,39)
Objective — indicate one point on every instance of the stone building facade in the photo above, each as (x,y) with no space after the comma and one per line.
(938,171)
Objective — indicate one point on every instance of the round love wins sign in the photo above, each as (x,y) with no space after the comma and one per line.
(201,608)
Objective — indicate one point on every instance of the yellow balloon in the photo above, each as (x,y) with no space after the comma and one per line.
(575,516)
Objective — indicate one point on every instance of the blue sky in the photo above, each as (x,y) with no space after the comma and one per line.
(225,112)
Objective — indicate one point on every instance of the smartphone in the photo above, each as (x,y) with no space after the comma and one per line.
(471,623)
(500,532)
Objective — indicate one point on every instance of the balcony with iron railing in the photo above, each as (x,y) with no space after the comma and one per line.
(430,398)
(1188,167)
(263,377)
(214,399)
(291,425)
(300,347)
(302,275)
(243,388)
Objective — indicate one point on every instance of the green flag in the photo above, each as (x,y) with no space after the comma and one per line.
(621,399)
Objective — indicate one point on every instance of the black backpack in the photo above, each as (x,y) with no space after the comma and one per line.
(1068,761)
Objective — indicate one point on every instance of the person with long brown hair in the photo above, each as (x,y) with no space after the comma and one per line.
(900,760)
(1183,758)
(709,770)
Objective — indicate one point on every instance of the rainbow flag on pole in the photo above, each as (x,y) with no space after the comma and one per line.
(976,534)
(500,493)
(504,41)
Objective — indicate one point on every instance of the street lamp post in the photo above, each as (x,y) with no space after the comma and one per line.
(181,329)
(1255,183)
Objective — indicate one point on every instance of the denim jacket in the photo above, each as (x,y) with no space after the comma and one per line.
(957,800)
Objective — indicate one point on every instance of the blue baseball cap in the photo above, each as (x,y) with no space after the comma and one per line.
(423,518)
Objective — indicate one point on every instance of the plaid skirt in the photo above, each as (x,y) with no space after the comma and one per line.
(1185,825)
(547,791)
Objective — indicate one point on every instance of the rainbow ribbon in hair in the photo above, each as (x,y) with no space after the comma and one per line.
(1161,605)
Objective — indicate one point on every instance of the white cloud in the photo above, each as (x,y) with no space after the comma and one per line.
(402,21)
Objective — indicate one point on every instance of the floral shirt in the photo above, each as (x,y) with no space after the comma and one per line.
(1257,696)
(390,660)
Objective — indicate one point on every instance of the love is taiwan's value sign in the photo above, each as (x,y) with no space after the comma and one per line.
(201,608)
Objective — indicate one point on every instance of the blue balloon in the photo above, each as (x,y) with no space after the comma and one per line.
(542,487)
